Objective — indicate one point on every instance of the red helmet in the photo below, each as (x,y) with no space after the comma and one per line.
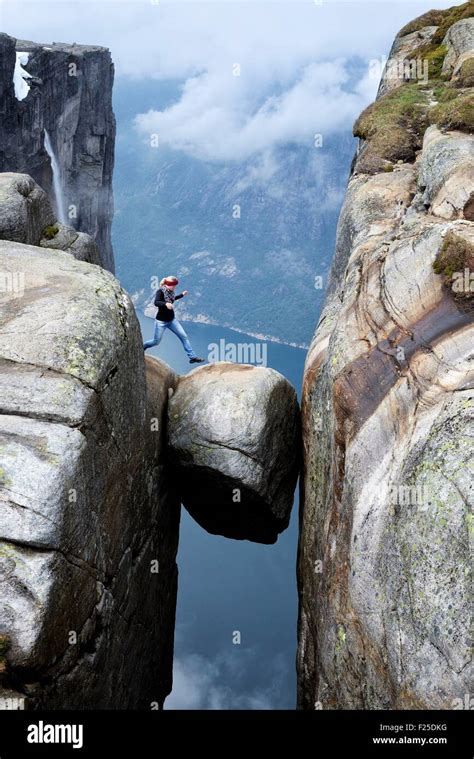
(171,281)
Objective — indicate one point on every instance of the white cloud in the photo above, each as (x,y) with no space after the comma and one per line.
(199,683)
(216,119)
(177,39)
(295,59)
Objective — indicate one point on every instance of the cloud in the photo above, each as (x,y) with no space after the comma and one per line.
(173,39)
(217,119)
(170,38)
(199,683)
(295,62)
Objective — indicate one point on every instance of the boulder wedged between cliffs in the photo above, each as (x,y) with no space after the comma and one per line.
(234,437)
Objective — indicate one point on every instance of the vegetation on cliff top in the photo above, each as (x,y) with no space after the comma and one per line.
(454,114)
(442,19)
(393,126)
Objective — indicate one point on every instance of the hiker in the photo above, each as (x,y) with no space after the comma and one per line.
(165,318)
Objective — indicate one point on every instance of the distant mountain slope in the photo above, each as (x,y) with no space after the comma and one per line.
(176,214)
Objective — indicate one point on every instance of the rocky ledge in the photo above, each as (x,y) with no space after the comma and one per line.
(27,216)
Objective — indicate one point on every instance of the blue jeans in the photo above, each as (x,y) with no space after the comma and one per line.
(178,330)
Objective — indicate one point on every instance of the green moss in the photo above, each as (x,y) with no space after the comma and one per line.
(4,480)
(50,232)
(442,19)
(465,78)
(452,16)
(430,18)
(443,93)
(394,124)
(455,113)
(4,645)
(455,255)
(341,637)
(434,56)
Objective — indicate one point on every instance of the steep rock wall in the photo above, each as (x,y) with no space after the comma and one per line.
(384,560)
(70,96)
(89,521)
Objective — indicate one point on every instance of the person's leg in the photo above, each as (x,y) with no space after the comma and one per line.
(178,329)
(158,334)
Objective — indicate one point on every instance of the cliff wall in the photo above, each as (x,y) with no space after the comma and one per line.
(384,559)
(63,92)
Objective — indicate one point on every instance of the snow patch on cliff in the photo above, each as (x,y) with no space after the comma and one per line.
(20,84)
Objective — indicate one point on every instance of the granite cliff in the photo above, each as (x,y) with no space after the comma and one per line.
(384,561)
(89,520)
(56,110)
(93,470)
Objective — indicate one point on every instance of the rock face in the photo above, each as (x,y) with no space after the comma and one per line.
(70,96)
(89,527)
(234,436)
(384,566)
(89,492)
(459,40)
(26,215)
(25,209)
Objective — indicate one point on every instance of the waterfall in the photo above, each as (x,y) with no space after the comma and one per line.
(58,193)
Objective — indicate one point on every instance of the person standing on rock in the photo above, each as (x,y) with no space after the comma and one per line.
(165,318)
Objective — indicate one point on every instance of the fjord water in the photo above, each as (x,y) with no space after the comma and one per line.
(228,586)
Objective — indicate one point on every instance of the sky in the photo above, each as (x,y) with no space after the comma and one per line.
(254,75)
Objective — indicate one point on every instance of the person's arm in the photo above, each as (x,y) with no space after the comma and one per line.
(177,297)
(160,299)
